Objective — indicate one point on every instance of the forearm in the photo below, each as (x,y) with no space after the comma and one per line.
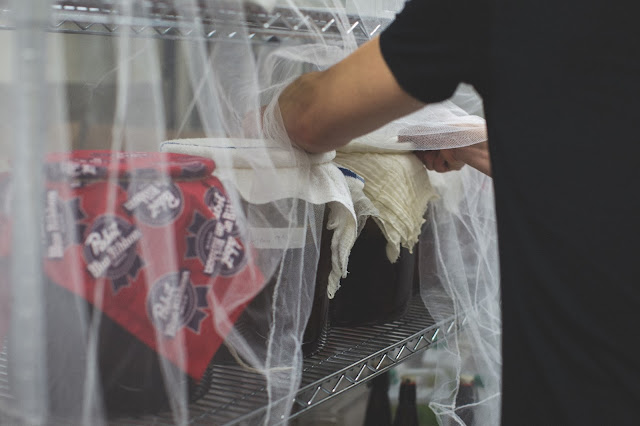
(324,110)
(300,118)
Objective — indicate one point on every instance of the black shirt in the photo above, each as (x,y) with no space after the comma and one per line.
(560,80)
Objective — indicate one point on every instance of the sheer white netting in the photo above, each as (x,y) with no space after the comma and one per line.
(199,258)
(459,276)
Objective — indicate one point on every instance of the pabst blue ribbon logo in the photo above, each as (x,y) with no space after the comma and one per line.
(59,219)
(174,302)
(110,250)
(220,206)
(216,242)
(156,203)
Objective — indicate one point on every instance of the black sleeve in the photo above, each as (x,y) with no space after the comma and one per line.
(433,45)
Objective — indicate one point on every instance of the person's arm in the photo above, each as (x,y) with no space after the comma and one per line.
(325,110)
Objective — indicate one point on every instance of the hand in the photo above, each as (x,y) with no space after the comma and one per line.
(442,160)
(445,160)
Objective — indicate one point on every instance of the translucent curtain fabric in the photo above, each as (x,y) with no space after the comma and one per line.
(459,276)
(127,94)
(63,93)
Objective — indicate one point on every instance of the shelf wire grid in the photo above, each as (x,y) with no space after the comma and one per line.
(159,19)
(350,357)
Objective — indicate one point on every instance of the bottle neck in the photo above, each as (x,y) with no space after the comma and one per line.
(408,392)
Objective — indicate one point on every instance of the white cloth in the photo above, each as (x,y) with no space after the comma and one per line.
(362,205)
(396,182)
(363,208)
(399,189)
(266,171)
(436,126)
(377,144)
(246,153)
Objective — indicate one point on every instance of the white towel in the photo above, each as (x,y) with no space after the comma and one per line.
(362,205)
(247,153)
(396,182)
(266,171)
(399,189)
(437,126)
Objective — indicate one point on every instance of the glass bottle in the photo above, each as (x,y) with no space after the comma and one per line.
(378,406)
(407,412)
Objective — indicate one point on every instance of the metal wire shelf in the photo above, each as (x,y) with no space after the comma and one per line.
(350,357)
(159,19)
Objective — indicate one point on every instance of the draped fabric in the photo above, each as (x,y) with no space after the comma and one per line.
(127,274)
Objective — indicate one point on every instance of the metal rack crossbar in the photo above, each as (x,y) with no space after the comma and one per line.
(161,20)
